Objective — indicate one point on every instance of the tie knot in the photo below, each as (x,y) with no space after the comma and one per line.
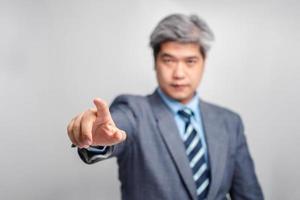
(186,114)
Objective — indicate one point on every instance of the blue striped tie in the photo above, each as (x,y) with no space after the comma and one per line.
(196,154)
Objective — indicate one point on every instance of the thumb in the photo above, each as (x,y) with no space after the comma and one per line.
(103,114)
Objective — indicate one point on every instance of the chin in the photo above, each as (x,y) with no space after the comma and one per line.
(179,95)
(183,98)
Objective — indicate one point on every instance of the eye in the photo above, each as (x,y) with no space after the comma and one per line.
(167,60)
(191,61)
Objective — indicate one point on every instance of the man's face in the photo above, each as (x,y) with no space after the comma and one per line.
(179,68)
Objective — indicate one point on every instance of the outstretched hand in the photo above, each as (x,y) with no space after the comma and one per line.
(95,127)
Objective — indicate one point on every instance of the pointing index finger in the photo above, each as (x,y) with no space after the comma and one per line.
(103,114)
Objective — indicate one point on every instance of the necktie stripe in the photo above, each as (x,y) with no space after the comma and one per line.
(194,151)
(190,138)
(202,178)
(200,172)
(198,164)
(202,187)
(188,132)
(196,155)
(192,145)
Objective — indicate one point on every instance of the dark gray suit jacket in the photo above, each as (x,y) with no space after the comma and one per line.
(152,161)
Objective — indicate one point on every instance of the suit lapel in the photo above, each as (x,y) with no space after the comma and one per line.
(217,144)
(170,134)
(216,140)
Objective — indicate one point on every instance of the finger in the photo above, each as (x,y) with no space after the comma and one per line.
(70,132)
(103,114)
(124,135)
(87,122)
(102,131)
(116,135)
(120,135)
(106,134)
(77,130)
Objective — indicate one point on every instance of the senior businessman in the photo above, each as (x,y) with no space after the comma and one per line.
(171,145)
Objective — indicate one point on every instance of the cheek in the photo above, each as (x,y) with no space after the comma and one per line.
(196,76)
(163,75)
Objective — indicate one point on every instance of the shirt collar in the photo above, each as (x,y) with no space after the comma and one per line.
(175,106)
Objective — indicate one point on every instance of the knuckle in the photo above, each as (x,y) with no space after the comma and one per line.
(84,117)
(109,133)
(118,136)
(85,134)
(92,110)
(80,141)
(76,127)
(88,116)
(107,127)
(77,123)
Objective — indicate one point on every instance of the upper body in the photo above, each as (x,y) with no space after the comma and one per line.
(145,136)
(152,161)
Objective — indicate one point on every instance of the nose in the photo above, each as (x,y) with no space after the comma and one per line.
(179,71)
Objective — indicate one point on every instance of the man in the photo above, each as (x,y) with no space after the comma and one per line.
(171,144)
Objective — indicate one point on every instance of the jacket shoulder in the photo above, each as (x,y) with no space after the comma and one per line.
(129,100)
(137,104)
(220,111)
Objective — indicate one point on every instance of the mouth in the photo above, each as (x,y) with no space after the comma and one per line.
(179,86)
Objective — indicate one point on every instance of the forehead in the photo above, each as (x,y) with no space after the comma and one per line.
(180,50)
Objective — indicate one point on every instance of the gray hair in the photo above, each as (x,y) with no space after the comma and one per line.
(184,29)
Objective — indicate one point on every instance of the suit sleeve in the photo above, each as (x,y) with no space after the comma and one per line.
(124,119)
(245,185)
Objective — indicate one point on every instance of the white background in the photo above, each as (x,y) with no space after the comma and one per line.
(56,56)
